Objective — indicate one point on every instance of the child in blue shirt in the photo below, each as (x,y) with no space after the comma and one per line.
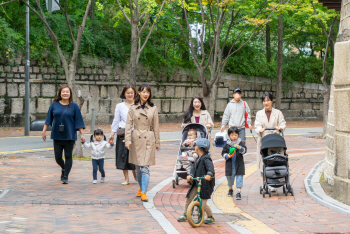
(234,161)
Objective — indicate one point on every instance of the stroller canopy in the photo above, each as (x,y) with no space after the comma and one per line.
(199,128)
(273,140)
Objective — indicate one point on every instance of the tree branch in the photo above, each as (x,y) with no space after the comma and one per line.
(7,2)
(122,9)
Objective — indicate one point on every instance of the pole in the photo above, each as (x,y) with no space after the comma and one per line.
(50,6)
(92,120)
(27,85)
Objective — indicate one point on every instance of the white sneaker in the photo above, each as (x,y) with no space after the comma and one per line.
(94,182)
(102,179)
(273,189)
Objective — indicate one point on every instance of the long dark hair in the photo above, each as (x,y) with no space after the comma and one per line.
(97,132)
(126,87)
(188,114)
(141,88)
(59,98)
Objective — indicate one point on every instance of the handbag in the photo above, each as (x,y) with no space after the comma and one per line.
(121,132)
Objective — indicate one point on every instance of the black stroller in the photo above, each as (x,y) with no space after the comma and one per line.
(275,164)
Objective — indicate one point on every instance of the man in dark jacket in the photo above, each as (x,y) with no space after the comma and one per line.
(203,167)
(234,161)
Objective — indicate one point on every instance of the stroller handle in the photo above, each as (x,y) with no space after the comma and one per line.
(187,148)
(271,129)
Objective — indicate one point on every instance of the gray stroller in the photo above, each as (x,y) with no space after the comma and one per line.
(186,155)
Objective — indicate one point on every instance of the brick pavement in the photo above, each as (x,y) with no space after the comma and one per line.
(39,203)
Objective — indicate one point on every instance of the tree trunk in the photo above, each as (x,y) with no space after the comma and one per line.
(279,61)
(92,10)
(268,43)
(133,55)
(326,97)
(183,45)
(212,99)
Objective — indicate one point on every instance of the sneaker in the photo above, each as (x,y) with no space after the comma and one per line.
(139,193)
(182,218)
(144,197)
(94,182)
(209,220)
(230,193)
(238,196)
(65,180)
(102,179)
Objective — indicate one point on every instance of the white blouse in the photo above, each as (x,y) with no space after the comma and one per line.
(120,115)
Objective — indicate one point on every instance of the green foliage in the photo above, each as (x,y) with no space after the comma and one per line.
(108,36)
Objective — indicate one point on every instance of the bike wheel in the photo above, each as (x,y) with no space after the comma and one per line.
(195,215)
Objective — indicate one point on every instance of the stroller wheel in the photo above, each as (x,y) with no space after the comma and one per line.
(269,192)
(261,190)
(263,193)
(291,191)
(177,180)
(174,185)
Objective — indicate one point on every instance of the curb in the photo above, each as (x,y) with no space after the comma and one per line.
(315,191)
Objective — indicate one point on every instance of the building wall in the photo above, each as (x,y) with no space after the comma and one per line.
(101,86)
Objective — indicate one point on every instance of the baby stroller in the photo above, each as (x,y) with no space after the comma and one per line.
(186,155)
(275,164)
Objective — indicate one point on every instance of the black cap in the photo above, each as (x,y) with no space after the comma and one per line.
(237,90)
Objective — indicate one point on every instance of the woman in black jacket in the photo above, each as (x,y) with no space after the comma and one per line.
(234,161)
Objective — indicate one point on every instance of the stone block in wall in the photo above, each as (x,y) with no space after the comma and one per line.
(342,150)
(102,119)
(158,103)
(43,70)
(194,91)
(32,106)
(176,105)
(48,90)
(12,90)
(17,105)
(35,90)
(94,91)
(341,109)
(2,105)
(9,75)
(220,105)
(316,106)
(46,77)
(187,103)
(2,89)
(22,90)
(14,69)
(341,75)
(223,93)
(103,92)
(180,91)
(285,106)
(113,91)
(291,113)
(51,70)
(319,114)
(7,69)
(105,106)
(32,76)
(88,71)
(43,104)
(170,91)
(300,106)
(158,92)
(165,105)
(35,69)
(83,77)
(308,113)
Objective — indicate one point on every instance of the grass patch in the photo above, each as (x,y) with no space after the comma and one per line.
(322,180)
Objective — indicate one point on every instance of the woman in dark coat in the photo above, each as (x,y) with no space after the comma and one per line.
(119,122)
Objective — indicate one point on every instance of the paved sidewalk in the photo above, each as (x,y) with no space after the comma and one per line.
(39,203)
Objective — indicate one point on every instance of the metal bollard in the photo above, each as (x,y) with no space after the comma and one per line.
(92,120)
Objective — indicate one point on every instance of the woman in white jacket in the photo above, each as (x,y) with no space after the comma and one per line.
(98,153)
(268,117)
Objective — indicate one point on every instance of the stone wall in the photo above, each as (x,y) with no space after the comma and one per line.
(101,86)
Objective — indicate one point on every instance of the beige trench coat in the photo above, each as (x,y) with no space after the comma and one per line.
(276,119)
(143,140)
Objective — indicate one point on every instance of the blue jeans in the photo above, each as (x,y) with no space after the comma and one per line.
(142,173)
(231,179)
(97,164)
